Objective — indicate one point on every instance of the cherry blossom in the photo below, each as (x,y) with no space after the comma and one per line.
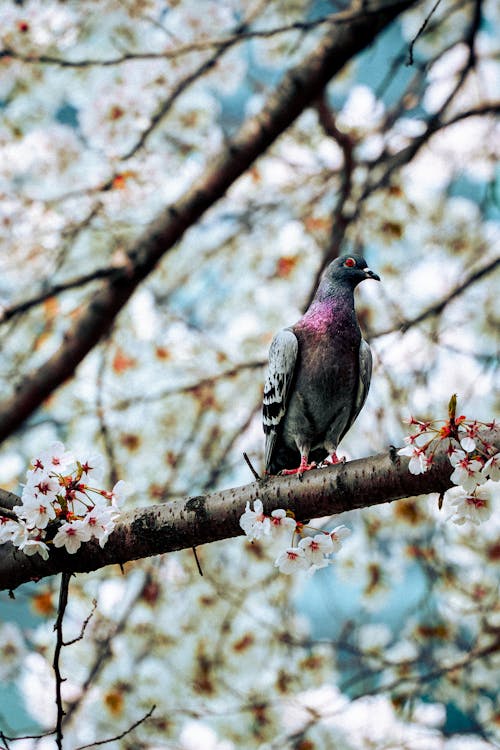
(491,468)
(57,458)
(52,498)
(10,531)
(101,522)
(36,510)
(419,462)
(338,535)
(468,444)
(253,522)
(315,548)
(71,535)
(119,493)
(91,463)
(34,546)
(280,522)
(467,471)
(291,560)
(475,507)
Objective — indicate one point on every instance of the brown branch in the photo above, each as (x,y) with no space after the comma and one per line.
(298,89)
(240,35)
(189,522)
(438,307)
(421,31)
(100,273)
(63,601)
(123,734)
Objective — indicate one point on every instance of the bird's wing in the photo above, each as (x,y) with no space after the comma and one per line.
(365,376)
(282,359)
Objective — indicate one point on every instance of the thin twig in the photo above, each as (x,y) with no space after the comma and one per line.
(438,307)
(84,626)
(63,601)
(250,466)
(198,564)
(420,32)
(123,734)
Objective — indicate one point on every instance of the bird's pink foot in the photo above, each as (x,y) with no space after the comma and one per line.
(334,459)
(304,466)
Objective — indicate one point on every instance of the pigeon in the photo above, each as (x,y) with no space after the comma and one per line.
(319,374)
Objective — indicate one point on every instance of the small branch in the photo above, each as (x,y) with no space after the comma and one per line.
(58,627)
(123,734)
(420,32)
(197,560)
(256,475)
(438,307)
(8,313)
(241,35)
(84,626)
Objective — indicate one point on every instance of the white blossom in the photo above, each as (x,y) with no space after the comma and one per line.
(57,458)
(491,468)
(71,535)
(419,463)
(36,510)
(101,523)
(468,444)
(292,560)
(119,492)
(280,522)
(253,522)
(316,547)
(338,535)
(467,471)
(34,546)
(475,508)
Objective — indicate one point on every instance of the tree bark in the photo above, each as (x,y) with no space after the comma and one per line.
(191,521)
(355,29)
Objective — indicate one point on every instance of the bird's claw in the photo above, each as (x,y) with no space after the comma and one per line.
(300,470)
(333,460)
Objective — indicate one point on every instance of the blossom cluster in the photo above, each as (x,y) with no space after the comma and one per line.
(60,504)
(473,459)
(312,551)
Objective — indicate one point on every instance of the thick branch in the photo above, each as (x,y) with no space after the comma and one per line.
(189,522)
(299,88)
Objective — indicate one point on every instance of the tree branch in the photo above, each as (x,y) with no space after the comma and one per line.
(438,307)
(298,89)
(189,522)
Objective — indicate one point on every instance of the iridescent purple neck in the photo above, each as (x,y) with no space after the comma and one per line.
(330,311)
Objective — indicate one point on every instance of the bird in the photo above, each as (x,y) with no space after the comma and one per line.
(318,375)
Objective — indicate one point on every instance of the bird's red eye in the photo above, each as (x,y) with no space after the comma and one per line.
(350,262)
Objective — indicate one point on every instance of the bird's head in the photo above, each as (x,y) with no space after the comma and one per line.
(351,269)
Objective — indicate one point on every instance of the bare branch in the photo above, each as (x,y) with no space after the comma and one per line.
(100,273)
(58,627)
(189,522)
(123,734)
(421,31)
(85,623)
(438,307)
(299,88)
(241,34)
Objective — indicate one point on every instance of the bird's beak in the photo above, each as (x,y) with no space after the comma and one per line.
(371,274)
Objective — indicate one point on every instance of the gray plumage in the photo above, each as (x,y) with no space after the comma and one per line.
(319,374)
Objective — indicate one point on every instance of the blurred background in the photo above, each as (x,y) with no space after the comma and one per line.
(109,113)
